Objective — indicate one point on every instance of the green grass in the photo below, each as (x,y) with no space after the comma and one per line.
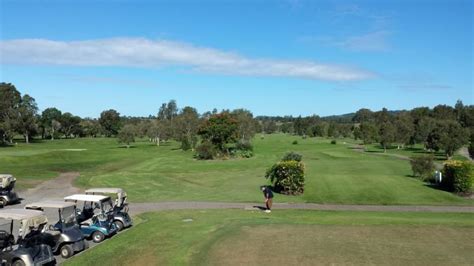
(415,150)
(335,173)
(238,237)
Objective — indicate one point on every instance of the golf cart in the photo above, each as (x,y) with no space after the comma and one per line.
(120,207)
(7,193)
(21,238)
(63,233)
(94,215)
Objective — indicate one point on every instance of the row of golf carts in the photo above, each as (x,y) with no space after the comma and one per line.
(33,235)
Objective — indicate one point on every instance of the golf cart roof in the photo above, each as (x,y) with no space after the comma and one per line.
(21,214)
(49,204)
(83,197)
(105,190)
(5,180)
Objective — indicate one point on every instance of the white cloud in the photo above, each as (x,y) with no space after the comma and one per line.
(372,41)
(140,52)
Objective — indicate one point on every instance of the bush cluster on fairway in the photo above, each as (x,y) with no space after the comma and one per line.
(458,176)
(423,167)
(287,176)
(295,142)
(333,141)
(292,156)
(205,151)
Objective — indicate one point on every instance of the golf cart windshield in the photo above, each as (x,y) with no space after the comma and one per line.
(68,217)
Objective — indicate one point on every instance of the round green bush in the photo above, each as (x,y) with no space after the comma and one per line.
(287,177)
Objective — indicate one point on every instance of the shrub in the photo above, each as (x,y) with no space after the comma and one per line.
(206,151)
(292,156)
(244,145)
(458,176)
(422,166)
(245,153)
(333,141)
(287,177)
(185,145)
(295,142)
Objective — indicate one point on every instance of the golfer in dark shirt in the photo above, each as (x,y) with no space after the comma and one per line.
(268,194)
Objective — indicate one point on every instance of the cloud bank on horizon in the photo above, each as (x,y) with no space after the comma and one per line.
(142,52)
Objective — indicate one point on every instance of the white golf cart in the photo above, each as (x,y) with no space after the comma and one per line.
(21,238)
(94,215)
(120,208)
(63,233)
(7,193)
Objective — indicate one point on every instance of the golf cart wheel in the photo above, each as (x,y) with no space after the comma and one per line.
(18,262)
(119,225)
(66,251)
(98,237)
(3,202)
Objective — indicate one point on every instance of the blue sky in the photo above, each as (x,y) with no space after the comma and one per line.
(271,57)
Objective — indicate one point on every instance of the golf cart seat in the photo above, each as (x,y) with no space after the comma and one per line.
(87,222)
(6,239)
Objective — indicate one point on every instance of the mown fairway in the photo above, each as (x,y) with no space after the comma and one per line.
(234,237)
(335,173)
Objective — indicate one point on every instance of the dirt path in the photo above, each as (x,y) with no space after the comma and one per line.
(55,189)
(137,208)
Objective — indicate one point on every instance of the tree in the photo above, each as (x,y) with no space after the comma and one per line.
(333,130)
(246,124)
(168,111)
(422,128)
(444,112)
(155,132)
(368,132)
(110,122)
(187,126)
(386,135)
(404,129)
(127,135)
(26,118)
(70,124)
(50,118)
(10,100)
(91,127)
(386,130)
(448,136)
(220,129)
(470,149)
(363,115)
(287,128)
(270,127)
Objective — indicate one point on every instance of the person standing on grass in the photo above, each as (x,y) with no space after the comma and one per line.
(268,194)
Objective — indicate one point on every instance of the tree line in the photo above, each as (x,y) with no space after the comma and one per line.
(443,127)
